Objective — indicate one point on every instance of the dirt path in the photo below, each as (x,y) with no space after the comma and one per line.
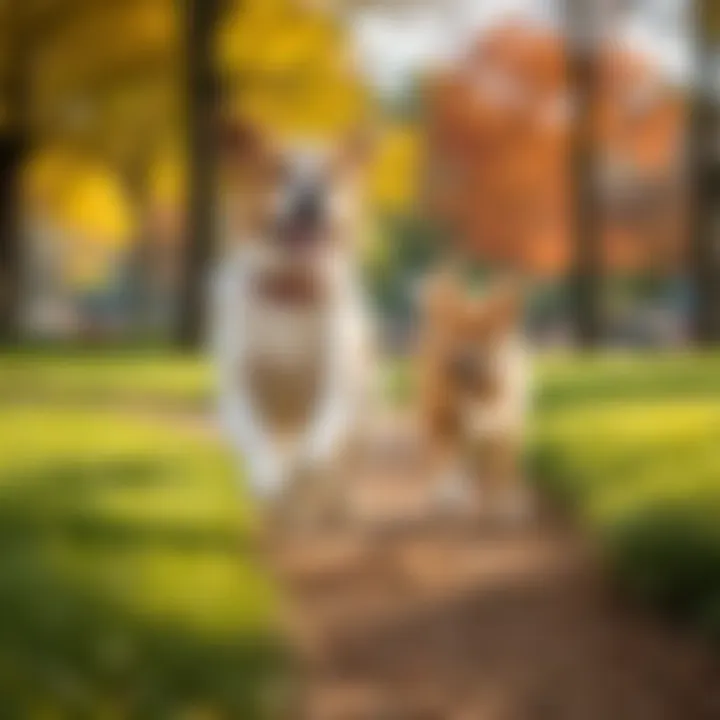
(450,622)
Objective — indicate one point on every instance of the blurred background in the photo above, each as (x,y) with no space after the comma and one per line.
(574,141)
(560,142)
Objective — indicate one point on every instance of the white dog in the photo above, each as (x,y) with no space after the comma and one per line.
(290,336)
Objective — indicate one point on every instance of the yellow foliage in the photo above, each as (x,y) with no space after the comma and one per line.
(95,206)
(44,177)
(102,40)
(80,196)
(167,182)
(397,168)
(289,68)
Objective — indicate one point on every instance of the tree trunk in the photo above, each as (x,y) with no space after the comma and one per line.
(201,18)
(13,149)
(11,157)
(585,274)
(705,187)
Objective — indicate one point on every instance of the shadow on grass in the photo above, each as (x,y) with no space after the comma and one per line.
(57,503)
(70,649)
(668,553)
(661,539)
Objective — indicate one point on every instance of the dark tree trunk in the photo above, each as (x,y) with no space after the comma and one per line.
(705,230)
(705,187)
(201,18)
(586,270)
(13,149)
(11,158)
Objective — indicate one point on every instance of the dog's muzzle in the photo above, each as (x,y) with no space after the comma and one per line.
(470,370)
(304,222)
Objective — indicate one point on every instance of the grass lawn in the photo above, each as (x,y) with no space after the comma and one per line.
(126,587)
(142,378)
(633,446)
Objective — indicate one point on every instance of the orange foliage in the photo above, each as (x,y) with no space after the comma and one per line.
(499,130)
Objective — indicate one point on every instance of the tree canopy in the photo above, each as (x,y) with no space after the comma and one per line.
(104,88)
(499,130)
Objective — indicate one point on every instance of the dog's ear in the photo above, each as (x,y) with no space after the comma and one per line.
(356,150)
(246,169)
(241,145)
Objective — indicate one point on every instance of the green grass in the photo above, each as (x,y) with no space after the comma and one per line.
(632,445)
(148,378)
(127,587)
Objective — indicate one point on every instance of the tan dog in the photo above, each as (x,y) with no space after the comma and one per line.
(474,379)
(290,331)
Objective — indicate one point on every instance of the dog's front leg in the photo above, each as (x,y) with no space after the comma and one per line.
(262,461)
(330,432)
(266,473)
